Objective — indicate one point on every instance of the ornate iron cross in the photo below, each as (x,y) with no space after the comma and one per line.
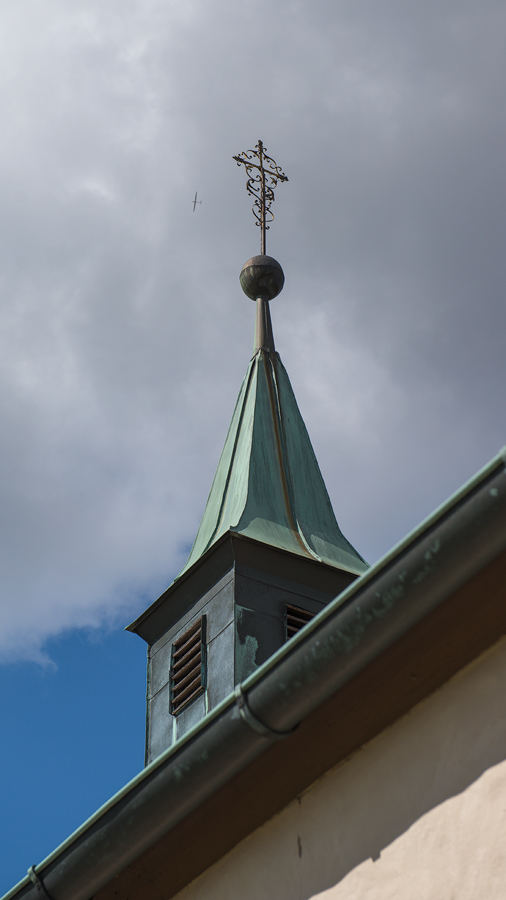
(260,185)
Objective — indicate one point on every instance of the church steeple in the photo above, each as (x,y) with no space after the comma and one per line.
(268,485)
(269,553)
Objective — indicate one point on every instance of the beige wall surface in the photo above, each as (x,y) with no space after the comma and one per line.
(418,813)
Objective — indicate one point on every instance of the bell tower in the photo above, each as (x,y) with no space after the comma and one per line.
(269,553)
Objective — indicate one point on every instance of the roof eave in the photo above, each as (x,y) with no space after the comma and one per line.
(459,543)
(216,561)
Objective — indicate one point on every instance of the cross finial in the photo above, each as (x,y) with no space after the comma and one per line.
(260,185)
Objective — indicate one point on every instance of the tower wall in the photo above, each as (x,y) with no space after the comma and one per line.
(244,614)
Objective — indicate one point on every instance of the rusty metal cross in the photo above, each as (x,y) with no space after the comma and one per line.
(260,185)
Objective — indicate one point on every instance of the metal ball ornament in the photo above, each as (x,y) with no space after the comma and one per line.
(262,276)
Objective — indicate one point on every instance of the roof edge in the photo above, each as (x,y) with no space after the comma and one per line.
(182,582)
(404,586)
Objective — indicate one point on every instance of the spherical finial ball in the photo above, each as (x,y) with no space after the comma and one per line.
(262,276)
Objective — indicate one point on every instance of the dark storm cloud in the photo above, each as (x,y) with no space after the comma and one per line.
(124,334)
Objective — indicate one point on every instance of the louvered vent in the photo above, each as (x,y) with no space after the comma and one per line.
(296,618)
(187,671)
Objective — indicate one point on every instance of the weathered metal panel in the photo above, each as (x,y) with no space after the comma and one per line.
(160,723)
(257,637)
(160,668)
(321,583)
(191,715)
(220,610)
(198,606)
(271,600)
(220,666)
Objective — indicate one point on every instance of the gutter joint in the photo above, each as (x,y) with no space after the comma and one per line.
(39,884)
(255,724)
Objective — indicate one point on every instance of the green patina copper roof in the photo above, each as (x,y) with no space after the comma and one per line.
(268,485)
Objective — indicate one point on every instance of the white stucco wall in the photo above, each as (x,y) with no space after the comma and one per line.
(419,813)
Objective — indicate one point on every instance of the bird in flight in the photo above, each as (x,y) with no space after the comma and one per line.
(195,201)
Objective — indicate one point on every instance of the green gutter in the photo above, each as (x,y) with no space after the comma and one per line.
(448,548)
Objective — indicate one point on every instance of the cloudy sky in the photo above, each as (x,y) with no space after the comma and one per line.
(124,334)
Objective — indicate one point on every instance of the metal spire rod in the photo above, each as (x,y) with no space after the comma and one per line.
(260,185)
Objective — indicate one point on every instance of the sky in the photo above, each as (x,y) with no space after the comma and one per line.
(124,334)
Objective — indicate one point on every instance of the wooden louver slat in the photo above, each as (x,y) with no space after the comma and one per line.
(296,618)
(187,670)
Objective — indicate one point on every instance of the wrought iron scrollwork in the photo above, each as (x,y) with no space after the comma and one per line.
(262,178)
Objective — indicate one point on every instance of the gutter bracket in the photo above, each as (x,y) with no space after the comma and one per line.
(39,884)
(255,724)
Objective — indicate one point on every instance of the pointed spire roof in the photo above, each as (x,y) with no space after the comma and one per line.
(268,485)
